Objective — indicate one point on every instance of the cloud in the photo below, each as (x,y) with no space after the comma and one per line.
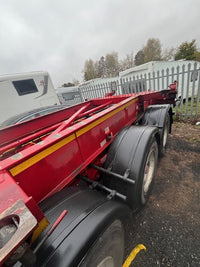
(59,36)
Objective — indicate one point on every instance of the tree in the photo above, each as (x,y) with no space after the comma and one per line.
(96,69)
(68,85)
(197,56)
(106,67)
(75,82)
(112,64)
(127,62)
(152,50)
(89,70)
(187,51)
(102,70)
(139,58)
(168,54)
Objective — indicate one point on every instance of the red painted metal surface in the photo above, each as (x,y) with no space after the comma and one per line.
(54,156)
(41,156)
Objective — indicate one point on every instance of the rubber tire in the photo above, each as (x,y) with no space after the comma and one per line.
(162,118)
(145,195)
(164,135)
(108,246)
(136,198)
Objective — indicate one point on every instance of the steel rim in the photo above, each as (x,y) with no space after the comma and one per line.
(149,171)
(106,262)
(165,135)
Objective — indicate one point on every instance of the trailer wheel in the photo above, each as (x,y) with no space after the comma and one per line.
(108,249)
(165,134)
(161,117)
(137,154)
(149,171)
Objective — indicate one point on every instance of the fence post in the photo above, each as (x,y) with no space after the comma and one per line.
(198,94)
(145,82)
(187,90)
(177,79)
(121,84)
(158,80)
(172,74)
(154,82)
(193,79)
(149,75)
(167,73)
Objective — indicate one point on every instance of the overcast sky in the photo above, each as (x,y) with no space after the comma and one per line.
(59,36)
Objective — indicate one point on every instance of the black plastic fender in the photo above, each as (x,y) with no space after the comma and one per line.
(128,154)
(89,214)
(161,117)
(155,115)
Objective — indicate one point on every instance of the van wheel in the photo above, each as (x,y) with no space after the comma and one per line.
(108,249)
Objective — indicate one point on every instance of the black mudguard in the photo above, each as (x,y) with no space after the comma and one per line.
(89,214)
(155,115)
(128,153)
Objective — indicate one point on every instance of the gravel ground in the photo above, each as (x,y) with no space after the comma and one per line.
(169,226)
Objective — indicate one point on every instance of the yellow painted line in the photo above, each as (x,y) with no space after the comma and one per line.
(133,254)
(31,161)
(102,119)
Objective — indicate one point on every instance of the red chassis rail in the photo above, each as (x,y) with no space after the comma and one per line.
(41,156)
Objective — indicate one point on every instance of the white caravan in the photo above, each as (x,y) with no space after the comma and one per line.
(157,75)
(69,95)
(99,87)
(25,91)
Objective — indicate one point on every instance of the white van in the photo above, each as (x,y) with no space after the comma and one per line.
(69,95)
(157,75)
(24,92)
